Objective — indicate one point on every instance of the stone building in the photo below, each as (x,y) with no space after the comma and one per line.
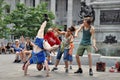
(107,14)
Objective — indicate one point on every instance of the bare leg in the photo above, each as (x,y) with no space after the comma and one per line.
(66,66)
(21,56)
(40,33)
(26,68)
(79,64)
(47,68)
(17,56)
(90,64)
(57,62)
(78,61)
(90,60)
(24,55)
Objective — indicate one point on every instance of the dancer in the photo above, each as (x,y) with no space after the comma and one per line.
(59,55)
(67,39)
(38,53)
(88,33)
(52,37)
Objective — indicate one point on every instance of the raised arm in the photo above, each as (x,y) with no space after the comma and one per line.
(60,32)
(79,29)
(48,47)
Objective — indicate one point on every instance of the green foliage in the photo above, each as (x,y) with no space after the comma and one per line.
(3,29)
(27,20)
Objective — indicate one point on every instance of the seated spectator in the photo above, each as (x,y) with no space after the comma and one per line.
(18,52)
(22,42)
(28,49)
(2,48)
(9,48)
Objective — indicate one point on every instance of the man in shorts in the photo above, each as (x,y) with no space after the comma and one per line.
(88,34)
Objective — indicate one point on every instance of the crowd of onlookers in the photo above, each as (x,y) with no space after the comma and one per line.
(6,48)
(20,47)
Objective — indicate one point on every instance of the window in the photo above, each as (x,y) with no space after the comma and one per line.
(66,5)
(56,5)
(33,3)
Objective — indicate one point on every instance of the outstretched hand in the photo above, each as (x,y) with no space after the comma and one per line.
(96,49)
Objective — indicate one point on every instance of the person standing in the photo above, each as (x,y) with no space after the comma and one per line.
(66,40)
(88,35)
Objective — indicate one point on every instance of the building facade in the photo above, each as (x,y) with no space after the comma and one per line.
(107,14)
(107,17)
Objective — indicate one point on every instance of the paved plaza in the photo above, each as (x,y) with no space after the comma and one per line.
(13,71)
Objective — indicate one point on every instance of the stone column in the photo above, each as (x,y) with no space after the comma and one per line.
(22,1)
(53,3)
(37,2)
(88,2)
(97,17)
(28,2)
(69,13)
(13,4)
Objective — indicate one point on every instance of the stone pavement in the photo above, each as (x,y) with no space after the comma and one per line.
(13,71)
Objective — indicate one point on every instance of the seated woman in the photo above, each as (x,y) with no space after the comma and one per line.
(2,48)
(28,49)
(9,48)
(18,51)
(38,52)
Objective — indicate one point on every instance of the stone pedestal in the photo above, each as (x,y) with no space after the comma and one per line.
(107,18)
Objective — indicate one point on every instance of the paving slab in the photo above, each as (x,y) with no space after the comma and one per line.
(13,71)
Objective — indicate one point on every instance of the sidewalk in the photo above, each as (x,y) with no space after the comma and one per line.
(13,71)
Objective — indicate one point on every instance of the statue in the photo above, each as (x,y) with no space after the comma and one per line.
(86,11)
(110,39)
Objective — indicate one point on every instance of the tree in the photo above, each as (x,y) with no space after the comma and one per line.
(27,20)
(3,28)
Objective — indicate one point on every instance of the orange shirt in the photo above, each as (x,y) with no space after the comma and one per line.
(71,48)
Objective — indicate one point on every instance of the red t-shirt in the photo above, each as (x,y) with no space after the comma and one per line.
(51,38)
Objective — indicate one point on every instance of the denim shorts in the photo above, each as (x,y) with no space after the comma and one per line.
(59,54)
(37,58)
(66,55)
(70,57)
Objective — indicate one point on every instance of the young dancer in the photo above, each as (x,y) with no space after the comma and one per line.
(52,37)
(38,53)
(67,39)
(88,34)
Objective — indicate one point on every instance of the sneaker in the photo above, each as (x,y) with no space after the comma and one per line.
(79,71)
(44,68)
(66,70)
(90,72)
(55,68)
(15,61)
(70,67)
(18,61)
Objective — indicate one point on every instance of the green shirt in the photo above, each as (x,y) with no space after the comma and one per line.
(86,37)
